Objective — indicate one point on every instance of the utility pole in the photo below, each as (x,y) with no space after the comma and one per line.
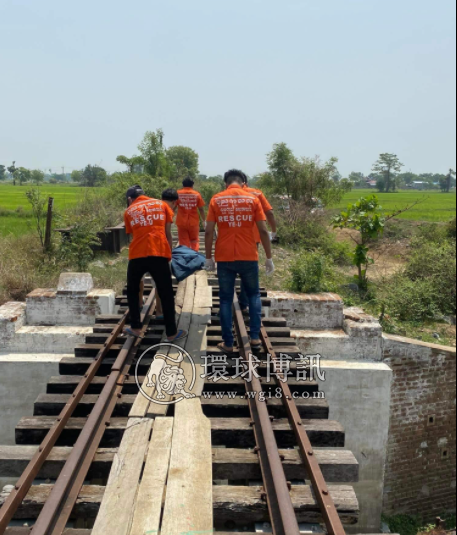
(47,238)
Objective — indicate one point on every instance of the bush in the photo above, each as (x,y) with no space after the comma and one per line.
(308,231)
(208,190)
(411,301)
(430,233)
(312,273)
(436,265)
(342,253)
(427,287)
(23,267)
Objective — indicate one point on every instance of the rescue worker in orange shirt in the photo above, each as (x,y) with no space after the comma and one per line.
(236,213)
(188,221)
(150,221)
(269,212)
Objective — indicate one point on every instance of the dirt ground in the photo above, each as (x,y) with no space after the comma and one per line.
(390,256)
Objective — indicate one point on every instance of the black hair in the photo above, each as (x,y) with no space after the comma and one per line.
(170,195)
(133,193)
(235,173)
(188,182)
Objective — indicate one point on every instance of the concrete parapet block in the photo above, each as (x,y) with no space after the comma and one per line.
(365,332)
(12,318)
(49,308)
(49,340)
(308,311)
(75,283)
(359,396)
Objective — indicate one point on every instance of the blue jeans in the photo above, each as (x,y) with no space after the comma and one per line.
(243,299)
(249,273)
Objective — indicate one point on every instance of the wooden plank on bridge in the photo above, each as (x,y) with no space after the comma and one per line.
(188,503)
(241,505)
(245,506)
(338,466)
(141,405)
(155,410)
(116,511)
(148,507)
(189,498)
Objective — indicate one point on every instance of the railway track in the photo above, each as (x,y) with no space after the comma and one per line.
(279,462)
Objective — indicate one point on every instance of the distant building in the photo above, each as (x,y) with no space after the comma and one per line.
(372,183)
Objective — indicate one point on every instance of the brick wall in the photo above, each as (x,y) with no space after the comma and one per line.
(421,457)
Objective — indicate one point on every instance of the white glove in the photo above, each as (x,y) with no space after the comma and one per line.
(210,264)
(204,225)
(273,236)
(269,264)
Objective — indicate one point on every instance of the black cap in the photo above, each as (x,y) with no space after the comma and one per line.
(134,192)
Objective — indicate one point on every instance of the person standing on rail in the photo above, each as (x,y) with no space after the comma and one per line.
(190,204)
(236,213)
(269,212)
(149,221)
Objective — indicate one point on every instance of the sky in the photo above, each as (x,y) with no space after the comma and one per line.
(81,82)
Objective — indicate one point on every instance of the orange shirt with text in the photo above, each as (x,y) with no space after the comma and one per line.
(236,213)
(147,219)
(189,203)
(265,205)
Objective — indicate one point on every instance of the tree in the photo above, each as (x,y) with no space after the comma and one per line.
(2,173)
(408,178)
(358,179)
(134,164)
(12,171)
(381,185)
(94,176)
(337,176)
(37,176)
(366,216)
(184,162)
(303,180)
(387,165)
(152,150)
(77,176)
(24,175)
(450,181)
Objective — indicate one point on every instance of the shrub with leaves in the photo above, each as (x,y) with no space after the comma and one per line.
(312,273)
(436,265)
(367,217)
(76,250)
(38,203)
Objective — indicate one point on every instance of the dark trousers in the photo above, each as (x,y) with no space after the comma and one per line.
(249,273)
(159,270)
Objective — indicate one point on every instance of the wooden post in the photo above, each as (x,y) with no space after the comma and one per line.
(47,238)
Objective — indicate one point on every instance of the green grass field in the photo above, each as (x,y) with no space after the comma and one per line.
(15,209)
(436,206)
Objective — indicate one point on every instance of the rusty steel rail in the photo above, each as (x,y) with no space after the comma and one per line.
(25,482)
(58,508)
(322,494)
(277,489)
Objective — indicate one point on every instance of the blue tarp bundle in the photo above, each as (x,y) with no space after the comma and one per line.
(186,262)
